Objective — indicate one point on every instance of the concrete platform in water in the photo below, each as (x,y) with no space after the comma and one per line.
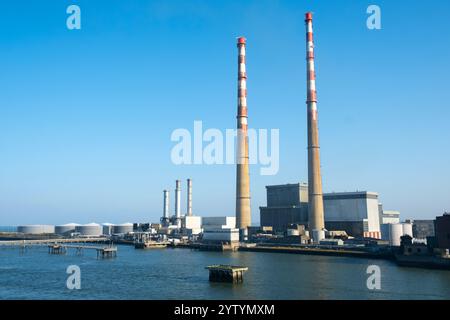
(150,245)
(226,273)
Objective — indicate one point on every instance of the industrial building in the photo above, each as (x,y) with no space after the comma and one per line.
(353,212)
(36,229)
(191,225)
(220,229)
(356,213)
(388,216)
(286,204)
(423,229)
(442,230)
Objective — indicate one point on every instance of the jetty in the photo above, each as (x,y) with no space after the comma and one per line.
(226,273)
(52,241)
(102,252)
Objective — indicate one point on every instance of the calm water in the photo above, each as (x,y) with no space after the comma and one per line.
(180,274)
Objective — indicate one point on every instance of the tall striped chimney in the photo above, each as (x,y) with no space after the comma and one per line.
(243,213)
(316,216)
(189,197)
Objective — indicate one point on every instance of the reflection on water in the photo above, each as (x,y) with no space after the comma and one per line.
(181,274)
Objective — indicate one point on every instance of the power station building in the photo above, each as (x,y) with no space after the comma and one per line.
(353,212)
(356,213)
(286,204)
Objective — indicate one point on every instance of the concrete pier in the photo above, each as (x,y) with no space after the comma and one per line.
(226,273)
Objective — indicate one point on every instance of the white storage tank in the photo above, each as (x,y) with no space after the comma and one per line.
(408,229)
(107,228)
(122,228)
(318,235)
(395,232)
(36,229)
(65,229)
(293,232)
(90,229)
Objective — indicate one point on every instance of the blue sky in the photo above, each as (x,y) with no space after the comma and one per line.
(86,115)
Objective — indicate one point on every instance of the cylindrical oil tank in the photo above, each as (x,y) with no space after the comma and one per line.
(65,229)
(90,229)
(408,229)
(122,228)
(293,232)
(36,229)
(107,229)
(318,235)
(395,232)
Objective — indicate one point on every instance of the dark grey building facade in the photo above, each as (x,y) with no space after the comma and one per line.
(286,204)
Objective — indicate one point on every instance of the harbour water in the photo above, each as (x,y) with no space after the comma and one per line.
(180,274)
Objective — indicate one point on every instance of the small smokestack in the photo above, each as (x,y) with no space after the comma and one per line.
(178,199)
(316,216)
(243,213)
(189,197)
(166,205)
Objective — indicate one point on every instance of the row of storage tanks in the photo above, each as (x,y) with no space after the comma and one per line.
(392,232)
(90,229)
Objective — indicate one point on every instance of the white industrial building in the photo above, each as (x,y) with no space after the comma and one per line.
(357,213)
(192,225)
(220,229)
(389,216)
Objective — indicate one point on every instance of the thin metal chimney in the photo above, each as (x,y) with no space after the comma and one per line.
(189,197)
(243,212)
(178,202)
(316,215)
(165,217)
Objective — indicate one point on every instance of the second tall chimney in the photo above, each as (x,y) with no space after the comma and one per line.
(243,212)
(316,212)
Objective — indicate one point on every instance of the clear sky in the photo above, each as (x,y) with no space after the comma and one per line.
(86,115)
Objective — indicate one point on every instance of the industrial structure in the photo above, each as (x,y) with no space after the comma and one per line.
(356,213)
(316,211)
(243,211)
(422,229)
(189,198)
(442,230)
(353,212)
(90,229)
(220,229)
(177,217)
(65,229)
(165,218)
(36,229)
(286,204)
